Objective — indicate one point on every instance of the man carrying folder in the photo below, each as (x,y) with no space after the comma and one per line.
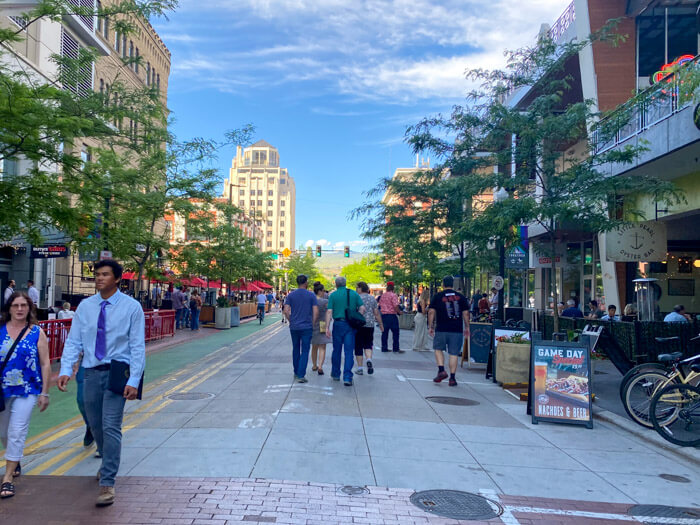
(108,329)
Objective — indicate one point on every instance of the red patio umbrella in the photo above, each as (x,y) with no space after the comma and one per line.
(261,284)
(128,275)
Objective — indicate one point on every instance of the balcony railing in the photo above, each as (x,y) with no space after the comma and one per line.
(563,22)
(651,106)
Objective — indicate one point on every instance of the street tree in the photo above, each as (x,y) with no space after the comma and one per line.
(367,269)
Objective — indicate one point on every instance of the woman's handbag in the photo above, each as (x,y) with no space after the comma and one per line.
(7,358)
(354,318)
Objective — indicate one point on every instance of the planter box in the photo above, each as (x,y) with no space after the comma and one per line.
(512,363)
(235,316)
(222,318)
(206,314)
(406,321)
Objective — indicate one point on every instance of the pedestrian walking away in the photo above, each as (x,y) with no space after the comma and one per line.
(261,300)
(421,339)
(389,308)
(108,328)
(448,319)
(364,338)
(301,310)
(340,303)
(319,340)
(195,307)
(178,299)
(33,293)
(25,372)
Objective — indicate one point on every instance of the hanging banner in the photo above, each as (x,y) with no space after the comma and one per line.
(639,242)
(561,393)
(49,251)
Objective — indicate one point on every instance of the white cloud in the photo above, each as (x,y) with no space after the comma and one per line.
(400,51)
(309,243)
(339,245)
(323,242)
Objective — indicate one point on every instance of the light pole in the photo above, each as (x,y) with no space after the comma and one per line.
(500,195)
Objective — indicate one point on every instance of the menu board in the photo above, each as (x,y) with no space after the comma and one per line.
(479,342)
(562,390)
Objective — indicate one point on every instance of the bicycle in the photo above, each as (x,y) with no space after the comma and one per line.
(641,389)
(260,315)
(645,367)
(680,406)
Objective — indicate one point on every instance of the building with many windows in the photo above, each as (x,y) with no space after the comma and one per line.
(68,276)
(265,191)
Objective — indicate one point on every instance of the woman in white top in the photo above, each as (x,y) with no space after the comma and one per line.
(66,313)
(421,339)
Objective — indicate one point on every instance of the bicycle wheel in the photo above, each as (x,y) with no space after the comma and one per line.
(684,428)
(638,393)
(634,371)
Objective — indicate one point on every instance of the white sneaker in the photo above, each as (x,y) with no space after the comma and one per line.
(359,371)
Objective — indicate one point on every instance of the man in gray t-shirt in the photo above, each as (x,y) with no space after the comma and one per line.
(301,310)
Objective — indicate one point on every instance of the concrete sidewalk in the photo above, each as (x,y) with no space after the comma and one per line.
(249,420)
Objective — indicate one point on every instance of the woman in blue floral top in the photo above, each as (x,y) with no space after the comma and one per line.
(24,381)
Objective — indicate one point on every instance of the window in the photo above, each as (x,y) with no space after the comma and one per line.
(75,79)
(259,203)
(9,168)
(282,181)
(85,155)
(99,19)
(282,213)
(241,203)
(269,223)
(117,41)
(260,193)
(282,244)
(269,233)
(148,73)
(241,181)
(124,50)
(20,21)
(269,203)
(136,65)
(105,29)
(158,80)
(664,34)
(102,87)
(282,224)
(252,203)
(270,193)
(260,157)
(269,244)
(241,192)
(281,203)
(269,214)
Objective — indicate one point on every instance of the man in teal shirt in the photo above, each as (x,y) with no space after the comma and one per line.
(343,334)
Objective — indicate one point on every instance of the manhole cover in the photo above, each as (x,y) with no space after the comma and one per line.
(662,511)
(456,504)
(353,490)
(674,478)
(460,401)
(190,396)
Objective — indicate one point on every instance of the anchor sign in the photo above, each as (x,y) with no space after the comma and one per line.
(637,245)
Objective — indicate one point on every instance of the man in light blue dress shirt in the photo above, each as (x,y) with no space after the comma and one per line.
(107,326)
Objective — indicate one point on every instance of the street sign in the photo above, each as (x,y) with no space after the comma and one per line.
(286,252)
(497,282)
(561,391)
(274,256)
(105,254)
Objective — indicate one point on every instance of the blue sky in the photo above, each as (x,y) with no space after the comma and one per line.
(334,83)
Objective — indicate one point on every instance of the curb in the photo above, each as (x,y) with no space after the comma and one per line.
(688,454)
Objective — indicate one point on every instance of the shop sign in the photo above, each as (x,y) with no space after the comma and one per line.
(561,390)
(497,282)
(49,251)
(638,242)
(88,256)
(479,342)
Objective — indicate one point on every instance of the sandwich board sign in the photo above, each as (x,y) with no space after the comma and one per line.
(561,392)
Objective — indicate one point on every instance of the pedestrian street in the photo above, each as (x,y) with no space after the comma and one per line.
(236,415)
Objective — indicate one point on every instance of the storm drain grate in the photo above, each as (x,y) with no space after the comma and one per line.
(457,401)
(190,396)
(662,511)
(353,490)
(456,505)
(674,478)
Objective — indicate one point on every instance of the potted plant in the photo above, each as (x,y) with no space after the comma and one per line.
(222,315)
(513,358)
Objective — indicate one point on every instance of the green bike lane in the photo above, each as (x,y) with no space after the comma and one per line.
(159,363)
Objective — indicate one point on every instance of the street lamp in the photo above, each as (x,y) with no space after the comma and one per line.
(500,195)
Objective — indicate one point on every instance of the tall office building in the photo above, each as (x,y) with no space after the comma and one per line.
(258,185)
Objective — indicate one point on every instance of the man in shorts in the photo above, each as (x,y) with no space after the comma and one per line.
(449,311)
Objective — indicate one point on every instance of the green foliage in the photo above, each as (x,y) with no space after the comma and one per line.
(368,269)
(297,264)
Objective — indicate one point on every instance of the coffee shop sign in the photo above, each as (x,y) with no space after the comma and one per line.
(639,242)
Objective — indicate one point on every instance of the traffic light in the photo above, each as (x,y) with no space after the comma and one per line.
(347,251)
(318,250)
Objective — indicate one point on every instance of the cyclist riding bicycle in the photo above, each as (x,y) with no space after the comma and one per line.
(261,305)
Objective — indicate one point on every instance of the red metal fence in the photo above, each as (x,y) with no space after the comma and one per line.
(159,324)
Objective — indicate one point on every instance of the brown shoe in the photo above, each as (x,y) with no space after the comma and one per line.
(105,497)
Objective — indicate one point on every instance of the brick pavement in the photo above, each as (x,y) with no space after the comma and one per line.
(55,500)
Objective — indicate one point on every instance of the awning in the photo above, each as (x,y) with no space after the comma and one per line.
(261,284)
(213,284)
(193,281)
(128,275)
(246,287)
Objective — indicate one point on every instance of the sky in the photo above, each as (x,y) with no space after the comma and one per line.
(333,84)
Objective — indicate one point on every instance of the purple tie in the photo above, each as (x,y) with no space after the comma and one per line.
(101,339)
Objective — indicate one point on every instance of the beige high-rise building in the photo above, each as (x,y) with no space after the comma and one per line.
(258,185)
